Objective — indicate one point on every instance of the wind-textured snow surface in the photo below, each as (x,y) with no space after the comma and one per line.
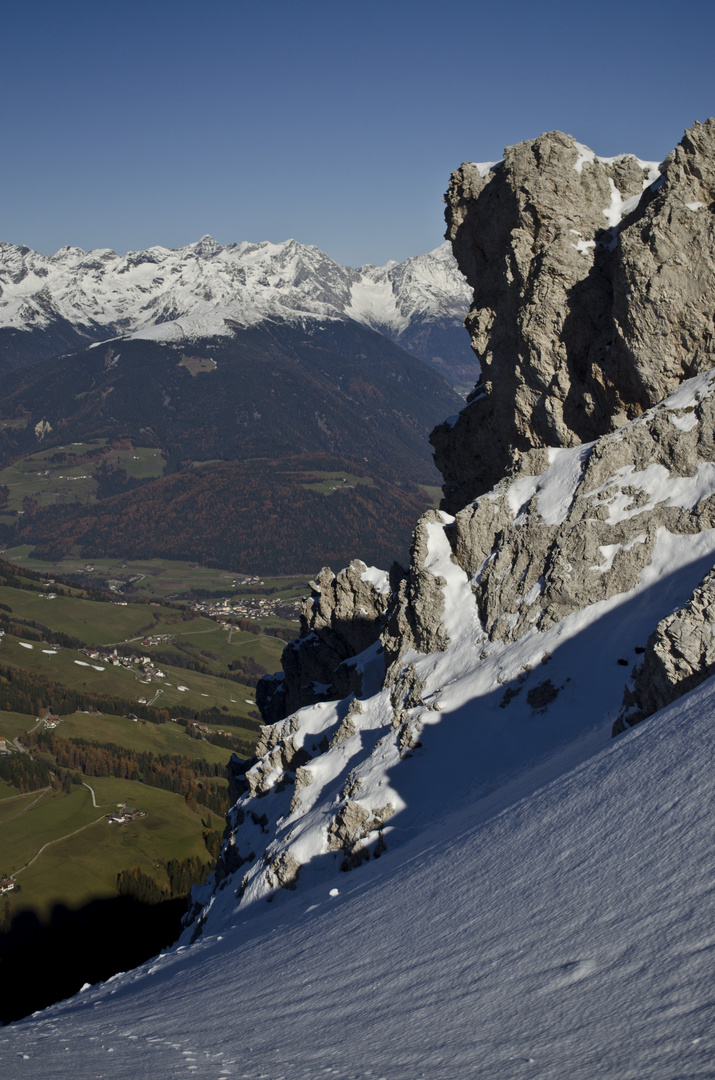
(564,931)
(207,289)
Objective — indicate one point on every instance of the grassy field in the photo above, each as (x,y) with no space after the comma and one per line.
(11,803)
(86,852)
(330,482)
(189,636)
(54,816)
(95,622)
(182,692)
(143,462)
(333,481)
(59,846)
(66,474)
(264,649)
(155,738)
(13,724)
(47,484)
(161,578)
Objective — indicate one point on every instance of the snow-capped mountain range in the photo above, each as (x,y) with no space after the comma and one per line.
(205,289)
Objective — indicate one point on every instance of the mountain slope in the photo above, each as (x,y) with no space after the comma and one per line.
(337,388)
(508,660)
(454,870)
(267,407)
(268,354)
(261,517)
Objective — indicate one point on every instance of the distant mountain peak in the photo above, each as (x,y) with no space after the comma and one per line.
(206,247)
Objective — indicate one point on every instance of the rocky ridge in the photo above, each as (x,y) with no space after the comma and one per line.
(591,279)
(340,619)
(520,616)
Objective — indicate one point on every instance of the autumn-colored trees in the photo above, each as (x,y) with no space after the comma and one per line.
(256,517)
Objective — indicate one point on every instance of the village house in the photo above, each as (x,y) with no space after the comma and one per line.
(123,815)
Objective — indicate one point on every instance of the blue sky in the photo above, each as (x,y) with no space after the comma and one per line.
(130,124)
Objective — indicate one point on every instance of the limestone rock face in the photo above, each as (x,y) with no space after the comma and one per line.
(414,620)
(680,654)
(582,473)
(592,286)
(579,525)
(343,616)
(664,276)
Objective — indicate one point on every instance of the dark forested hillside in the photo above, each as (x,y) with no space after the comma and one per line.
(260,517)
(238,424)
(334,387)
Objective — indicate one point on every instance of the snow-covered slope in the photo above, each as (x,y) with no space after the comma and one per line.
(561,929)
(205,289)
(423,287)
(341,780)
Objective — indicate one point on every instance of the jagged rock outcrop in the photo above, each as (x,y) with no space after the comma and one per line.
(679,655)
(414,620)
(592,281)
(342,617)
(351,827)
(579,525)
(583,479)
(592,285)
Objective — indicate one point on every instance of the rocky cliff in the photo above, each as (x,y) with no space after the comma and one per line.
(592,284)
(570,594)
(343,615)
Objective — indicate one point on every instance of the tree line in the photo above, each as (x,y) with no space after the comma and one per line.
(194,779)
(24,773)
(182,874)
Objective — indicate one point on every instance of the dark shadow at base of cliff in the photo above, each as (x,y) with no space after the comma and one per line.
(45,962)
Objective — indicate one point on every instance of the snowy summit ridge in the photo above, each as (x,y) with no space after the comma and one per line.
(205,289)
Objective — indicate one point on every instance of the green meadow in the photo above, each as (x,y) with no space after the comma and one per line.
(68,473)
(93,622)
(64,849)
(161,578)
(58,845)
(142,737)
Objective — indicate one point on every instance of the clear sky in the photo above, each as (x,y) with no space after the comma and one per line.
(129,123)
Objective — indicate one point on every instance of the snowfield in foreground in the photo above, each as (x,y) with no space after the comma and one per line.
(568,934)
